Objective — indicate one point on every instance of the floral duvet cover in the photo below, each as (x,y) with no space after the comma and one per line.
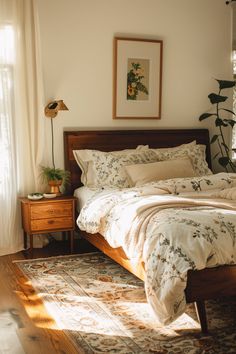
(173,226)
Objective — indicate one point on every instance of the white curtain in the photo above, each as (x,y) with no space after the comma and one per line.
(234,72)
(21,115)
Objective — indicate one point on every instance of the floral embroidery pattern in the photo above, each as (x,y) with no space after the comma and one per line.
(197,184)
(228,227)
(196,242)
(108,168)
(194,184)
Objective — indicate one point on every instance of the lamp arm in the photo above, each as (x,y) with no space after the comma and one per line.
(51,111)
(53,162)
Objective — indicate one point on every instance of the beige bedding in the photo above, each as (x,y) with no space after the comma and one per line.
(173,225)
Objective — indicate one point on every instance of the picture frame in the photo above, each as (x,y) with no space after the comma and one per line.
(137,78)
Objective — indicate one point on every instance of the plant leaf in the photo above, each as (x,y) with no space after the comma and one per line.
(205,116)
(214,98)
(214,138)
(51,173)
(227,110)
(223,161)
(223,84)
(219,122)
(230,122)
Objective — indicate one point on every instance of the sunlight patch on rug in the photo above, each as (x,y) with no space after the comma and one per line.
(103,309)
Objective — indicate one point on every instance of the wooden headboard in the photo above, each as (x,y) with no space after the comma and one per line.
(112,140)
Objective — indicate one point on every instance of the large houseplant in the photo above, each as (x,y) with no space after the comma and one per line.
(224,155)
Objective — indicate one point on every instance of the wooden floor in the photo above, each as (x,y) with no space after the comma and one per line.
(25,326)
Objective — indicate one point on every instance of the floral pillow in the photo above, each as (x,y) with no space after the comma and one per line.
(105,169)
(83,157)
(196,153)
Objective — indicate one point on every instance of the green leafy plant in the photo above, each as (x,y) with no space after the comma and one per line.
(224,155)
(55,174)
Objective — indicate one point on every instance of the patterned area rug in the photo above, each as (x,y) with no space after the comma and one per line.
(103,309)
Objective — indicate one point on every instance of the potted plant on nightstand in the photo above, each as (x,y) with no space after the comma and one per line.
(55,177)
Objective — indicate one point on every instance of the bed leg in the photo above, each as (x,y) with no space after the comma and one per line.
(201,313)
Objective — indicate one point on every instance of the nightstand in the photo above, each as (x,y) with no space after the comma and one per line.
(48,215)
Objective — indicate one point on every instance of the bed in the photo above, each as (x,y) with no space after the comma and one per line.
(203,284)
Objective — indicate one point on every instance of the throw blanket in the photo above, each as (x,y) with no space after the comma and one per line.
(173,226)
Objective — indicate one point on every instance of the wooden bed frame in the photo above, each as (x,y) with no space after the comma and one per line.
(205,284)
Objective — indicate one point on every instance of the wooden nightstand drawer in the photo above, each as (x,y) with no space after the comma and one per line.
(49,210)
(48,216)
(51,224)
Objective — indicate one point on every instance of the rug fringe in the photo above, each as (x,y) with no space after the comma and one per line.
(53,257)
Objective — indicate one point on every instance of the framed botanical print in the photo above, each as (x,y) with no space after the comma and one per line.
(137,78)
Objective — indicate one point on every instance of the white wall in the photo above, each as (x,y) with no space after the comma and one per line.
(77,52)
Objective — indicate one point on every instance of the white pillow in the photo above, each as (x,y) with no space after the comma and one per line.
(161,170)
(106,168)
(83,157)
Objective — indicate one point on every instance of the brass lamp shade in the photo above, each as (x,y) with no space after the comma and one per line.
(53,107)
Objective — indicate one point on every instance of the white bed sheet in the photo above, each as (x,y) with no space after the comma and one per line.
(83,194)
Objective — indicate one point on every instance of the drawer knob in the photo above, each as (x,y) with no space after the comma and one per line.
(50,222)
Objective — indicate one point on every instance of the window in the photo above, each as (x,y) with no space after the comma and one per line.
(6,99)
(20,124)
